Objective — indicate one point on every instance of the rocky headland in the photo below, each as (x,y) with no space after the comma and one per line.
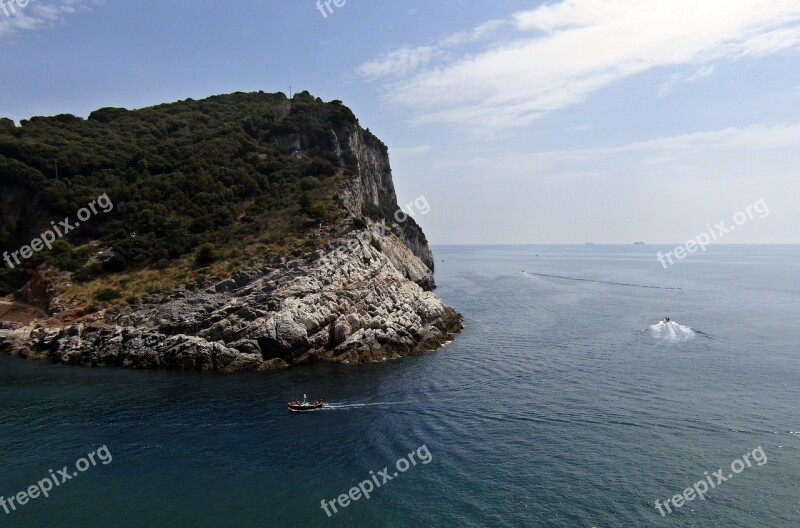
(364,295)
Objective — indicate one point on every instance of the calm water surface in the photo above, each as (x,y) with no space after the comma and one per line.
(555,407)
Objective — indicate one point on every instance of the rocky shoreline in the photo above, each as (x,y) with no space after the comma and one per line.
(350,303)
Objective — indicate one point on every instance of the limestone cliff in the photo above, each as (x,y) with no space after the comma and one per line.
(364,296)
(373,192)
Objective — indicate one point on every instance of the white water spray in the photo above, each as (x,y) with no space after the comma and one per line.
(671,331)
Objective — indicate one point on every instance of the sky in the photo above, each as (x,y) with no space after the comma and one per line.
(565,121)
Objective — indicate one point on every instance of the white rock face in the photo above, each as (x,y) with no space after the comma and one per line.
(354,304)
(374,188)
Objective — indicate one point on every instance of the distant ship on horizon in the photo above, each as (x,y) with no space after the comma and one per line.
(639,243)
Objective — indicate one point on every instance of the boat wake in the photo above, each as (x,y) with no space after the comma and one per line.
(530,273)
(671,331)
(336,406)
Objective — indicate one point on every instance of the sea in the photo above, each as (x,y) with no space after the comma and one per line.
(565,402)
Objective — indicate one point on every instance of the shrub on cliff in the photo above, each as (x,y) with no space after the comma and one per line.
(206,254)
(106,295)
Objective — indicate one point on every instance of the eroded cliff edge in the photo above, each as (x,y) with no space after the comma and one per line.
(352,305)
(364,296)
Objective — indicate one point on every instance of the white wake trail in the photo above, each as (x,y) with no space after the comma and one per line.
(357,405)
(671,331)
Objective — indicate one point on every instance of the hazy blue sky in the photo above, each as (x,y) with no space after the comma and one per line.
(543,122)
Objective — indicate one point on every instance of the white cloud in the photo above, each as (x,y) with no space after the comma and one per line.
(397,62)
(656,151)
(702,73)
(479,33)
(407,59)
(557,55)
(669,86)
(39,14)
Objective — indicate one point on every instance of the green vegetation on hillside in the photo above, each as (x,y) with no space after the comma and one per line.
(190,181)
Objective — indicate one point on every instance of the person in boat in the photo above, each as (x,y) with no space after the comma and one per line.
(666,319)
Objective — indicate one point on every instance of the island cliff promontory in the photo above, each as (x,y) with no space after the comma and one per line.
(248,232)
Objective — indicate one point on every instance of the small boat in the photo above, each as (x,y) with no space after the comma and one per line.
(299,406)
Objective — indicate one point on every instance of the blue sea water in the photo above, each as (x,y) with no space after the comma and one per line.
(556,407)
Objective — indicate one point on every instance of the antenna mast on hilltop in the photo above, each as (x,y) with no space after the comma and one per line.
(290,91)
